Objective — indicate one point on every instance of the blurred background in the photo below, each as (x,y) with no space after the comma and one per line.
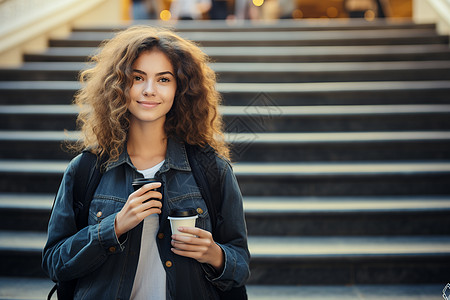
(269,9)
(337,113)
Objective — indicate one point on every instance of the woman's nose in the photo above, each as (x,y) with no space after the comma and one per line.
(149,89)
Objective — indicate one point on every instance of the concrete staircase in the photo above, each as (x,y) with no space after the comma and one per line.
(341,134)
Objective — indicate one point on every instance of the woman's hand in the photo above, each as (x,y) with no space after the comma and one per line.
(200,247)
(135,210)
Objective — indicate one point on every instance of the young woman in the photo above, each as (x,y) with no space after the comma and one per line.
(149,94)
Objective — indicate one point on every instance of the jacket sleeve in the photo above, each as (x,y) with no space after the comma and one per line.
(232,229)
(68,253)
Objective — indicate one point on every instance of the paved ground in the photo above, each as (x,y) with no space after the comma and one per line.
(31,289)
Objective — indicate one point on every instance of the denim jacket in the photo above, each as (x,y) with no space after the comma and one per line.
(105,266)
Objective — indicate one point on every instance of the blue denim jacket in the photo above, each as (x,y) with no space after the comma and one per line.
(105,267)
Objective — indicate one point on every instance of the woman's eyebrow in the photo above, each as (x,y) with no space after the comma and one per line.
(163,73)
(139,71)
(157,74)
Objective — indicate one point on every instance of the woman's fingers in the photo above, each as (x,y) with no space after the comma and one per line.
(142,215)
(201,247)
(146,188)
(148,204)
(199,241)
(140,204)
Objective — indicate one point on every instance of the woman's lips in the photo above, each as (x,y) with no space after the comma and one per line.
(148,104)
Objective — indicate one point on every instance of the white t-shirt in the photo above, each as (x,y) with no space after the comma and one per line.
(150,279)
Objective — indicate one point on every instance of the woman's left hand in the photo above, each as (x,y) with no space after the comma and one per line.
(200,247)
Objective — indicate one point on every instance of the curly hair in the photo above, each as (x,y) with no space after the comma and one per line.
(104,97)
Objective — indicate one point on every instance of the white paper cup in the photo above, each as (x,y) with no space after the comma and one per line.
(176,222)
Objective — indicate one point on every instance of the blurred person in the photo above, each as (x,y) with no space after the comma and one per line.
(189,9)
(287,7)
(150,95)
(139,10)
(219,10)
(358,8)
(146,9)
(241,9)
(270,10)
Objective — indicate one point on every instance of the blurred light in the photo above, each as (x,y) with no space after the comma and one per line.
(369,15)
(332,12)
(165,15)
(258,2)
(297,14)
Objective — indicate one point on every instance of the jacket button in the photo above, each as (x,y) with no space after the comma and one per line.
(168,263)
(112,249)
(99,214)
(199,210)
(160,235)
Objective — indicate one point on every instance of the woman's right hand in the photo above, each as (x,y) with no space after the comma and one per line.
(135,210)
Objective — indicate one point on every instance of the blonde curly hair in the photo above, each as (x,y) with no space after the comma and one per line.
(104,97)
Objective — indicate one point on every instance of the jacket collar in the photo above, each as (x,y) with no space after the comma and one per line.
(176,158)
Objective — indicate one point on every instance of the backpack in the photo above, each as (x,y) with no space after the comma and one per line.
(206,175)
(86,179)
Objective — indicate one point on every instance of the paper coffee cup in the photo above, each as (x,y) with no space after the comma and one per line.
(182,218)
(139,182)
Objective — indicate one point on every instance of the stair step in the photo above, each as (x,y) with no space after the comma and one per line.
(287,216)
(385,292)
(265,72)
(349,93)
(24,288)
(278,54)
(25,212)
(20,253)
(389,92)
(264,147)
(331,72)
(339,179)
(263,117)
(281,179)
(37,288)
(275,25)
(279,38)
(38,117)
(294,260)
(347,216)
(349,260)
(38,71)
(348,146)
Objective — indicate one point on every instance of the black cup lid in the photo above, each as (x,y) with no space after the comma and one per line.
(188,212)
(142,181)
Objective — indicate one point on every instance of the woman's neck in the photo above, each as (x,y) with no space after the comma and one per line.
(146,145)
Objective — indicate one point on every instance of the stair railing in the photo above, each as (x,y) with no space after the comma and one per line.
(433,11)
(26,25)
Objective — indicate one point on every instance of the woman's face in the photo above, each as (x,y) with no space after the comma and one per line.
(154,87)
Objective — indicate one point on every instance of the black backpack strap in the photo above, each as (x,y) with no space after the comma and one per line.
(206,173)
(87,178)
(52,291)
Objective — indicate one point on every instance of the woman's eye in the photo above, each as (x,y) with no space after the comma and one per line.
(138,78)
(164,79)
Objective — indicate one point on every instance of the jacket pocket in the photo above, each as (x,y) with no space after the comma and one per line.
(193,201)
(103,206)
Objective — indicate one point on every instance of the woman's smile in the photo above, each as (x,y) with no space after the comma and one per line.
(148,104)
(154,86)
